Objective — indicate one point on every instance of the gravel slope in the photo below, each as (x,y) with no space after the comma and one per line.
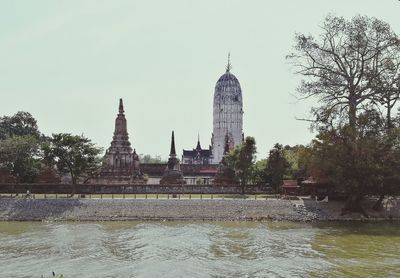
(172,209)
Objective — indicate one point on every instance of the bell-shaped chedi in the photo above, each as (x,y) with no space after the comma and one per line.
(120,165)
(172,173)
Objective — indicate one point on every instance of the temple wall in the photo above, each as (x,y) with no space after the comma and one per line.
(153,180)
(128,189)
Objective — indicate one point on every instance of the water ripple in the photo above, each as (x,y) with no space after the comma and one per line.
(184,249)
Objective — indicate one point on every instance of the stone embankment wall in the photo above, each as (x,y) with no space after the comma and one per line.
(129,189)
(13,209)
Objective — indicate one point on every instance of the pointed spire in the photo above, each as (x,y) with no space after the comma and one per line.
(198,147)
(229,66)
(172,152)
(120,124)
(121,106)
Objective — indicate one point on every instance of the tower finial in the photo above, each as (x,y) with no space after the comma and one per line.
(121,106)
(198,147)
(229,66)
(172,152)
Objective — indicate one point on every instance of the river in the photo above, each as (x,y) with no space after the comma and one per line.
(199,249)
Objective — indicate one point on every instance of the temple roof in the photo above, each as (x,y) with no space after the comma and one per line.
(193,153)
(206,153)
(198,147)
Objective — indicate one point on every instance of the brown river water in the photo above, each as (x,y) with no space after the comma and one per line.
(199,249)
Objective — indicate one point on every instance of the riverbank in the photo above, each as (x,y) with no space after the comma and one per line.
(174,209)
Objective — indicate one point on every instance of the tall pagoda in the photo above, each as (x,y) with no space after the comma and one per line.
(227,113)
(120,164)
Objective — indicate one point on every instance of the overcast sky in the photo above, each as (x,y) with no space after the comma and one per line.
(68,62)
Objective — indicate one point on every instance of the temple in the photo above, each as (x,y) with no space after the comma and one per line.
(120,164)
(227,122)
(197,155)
(228,114)
(172,173)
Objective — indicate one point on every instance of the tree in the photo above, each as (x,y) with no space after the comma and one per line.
(353,71)
(298,159)
(388,91)
(240,161)
(73,155)
(388,179)
(20,155)
(277,166)
(259,173)
(366,163)
(346,67)
(20,146)
(20,124)
(150,159)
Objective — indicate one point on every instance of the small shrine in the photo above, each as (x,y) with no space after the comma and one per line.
(172,173)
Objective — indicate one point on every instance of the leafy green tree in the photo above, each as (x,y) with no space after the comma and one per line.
(259,173)
(20,146)
(363,163)
(298,159)
(226,171)
(20,155)
(240,161)
(277,166)
(73,155)
(388,166)
(20,124)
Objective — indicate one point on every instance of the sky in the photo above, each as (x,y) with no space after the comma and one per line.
(68,62)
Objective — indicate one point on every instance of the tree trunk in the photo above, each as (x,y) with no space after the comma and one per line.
(73,189)
(378,205)
(73,180)
(73,185)
(353,204)
(352,114)
(389,115)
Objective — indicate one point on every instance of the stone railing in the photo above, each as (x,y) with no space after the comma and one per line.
(129,189)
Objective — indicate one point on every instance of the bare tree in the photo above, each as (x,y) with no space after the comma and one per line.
(345,66)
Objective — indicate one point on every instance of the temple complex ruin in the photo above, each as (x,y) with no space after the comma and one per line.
(120,164)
